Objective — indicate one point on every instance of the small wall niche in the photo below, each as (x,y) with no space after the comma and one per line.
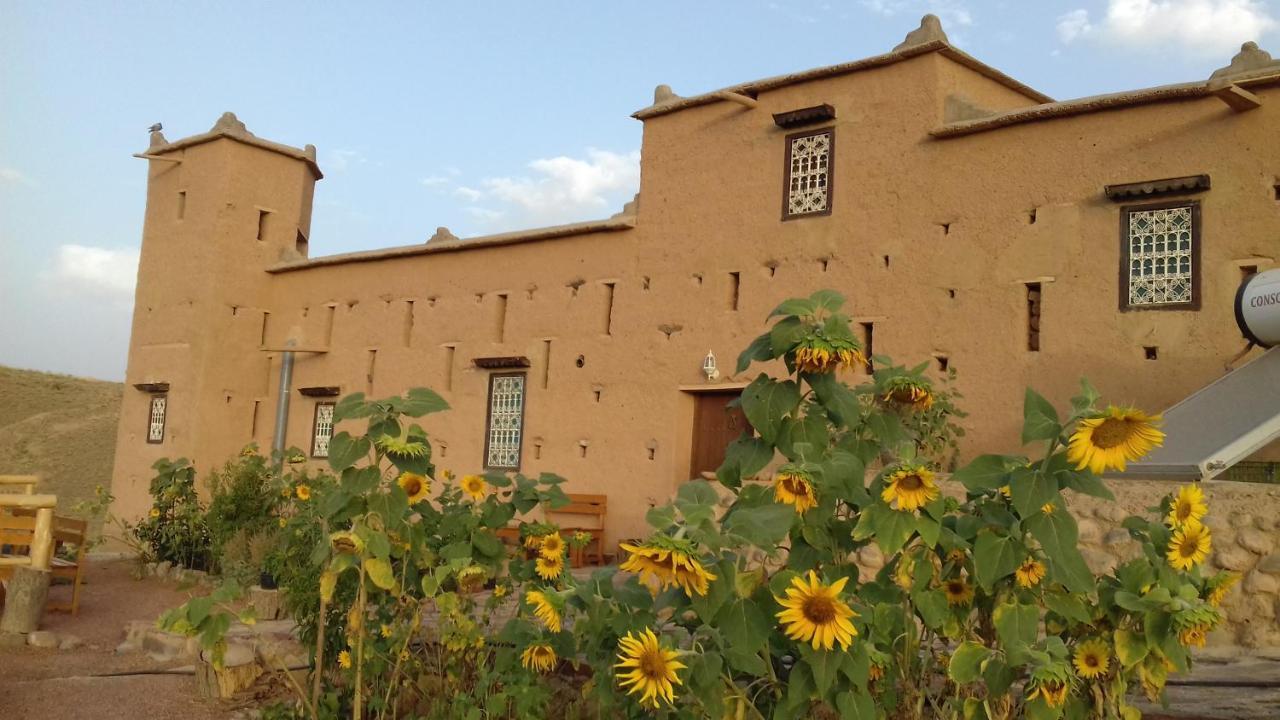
(607,321)
(182,204)
(449,352)
(500,319)
(408,323)
(651,448)
(951,293)
(582,448)
(735,284)
(1034,301)
(1248,271)
(546,363)
(581,361)
(1151,352)
(596,392)
(370,369)
(263,216)
(1031,216)
(868,333)
(944,362)
(886,260)
(266,321)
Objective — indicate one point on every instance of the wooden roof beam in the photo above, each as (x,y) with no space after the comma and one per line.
(1237,98)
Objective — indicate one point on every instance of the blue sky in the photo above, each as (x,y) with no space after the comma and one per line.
(478,116)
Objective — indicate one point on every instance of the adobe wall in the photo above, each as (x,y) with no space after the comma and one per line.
(1244,519)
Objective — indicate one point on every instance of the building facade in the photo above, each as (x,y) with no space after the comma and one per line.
(971,221)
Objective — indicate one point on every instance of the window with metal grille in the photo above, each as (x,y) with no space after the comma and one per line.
(505,424)
(1161,251)
(808,185)
(156,417)
(322,430)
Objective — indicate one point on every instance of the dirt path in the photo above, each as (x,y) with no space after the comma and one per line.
(40,684)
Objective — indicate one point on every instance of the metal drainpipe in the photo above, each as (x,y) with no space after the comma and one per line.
(282,407)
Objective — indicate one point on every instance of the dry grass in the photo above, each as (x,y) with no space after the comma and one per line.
(60,427)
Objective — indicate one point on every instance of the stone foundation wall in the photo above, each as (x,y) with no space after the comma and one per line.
(1245,522)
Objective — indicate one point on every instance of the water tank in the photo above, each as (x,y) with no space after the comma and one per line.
(1258,308)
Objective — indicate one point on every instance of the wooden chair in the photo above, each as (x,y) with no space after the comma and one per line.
(16,536)
(25,484)
(596,506)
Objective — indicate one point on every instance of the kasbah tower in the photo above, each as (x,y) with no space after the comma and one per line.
(972,222)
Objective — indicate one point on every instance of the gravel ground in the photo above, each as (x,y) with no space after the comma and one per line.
(52,684)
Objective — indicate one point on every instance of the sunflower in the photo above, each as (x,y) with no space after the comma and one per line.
(303,491)
(817,354)
(1112,438)
(908,394)
(472,578)
(1029,573)
(958,591)
(874,673)
(499,591)
(912,486)
(1006,491)
(1054,692)
(1048,508)
(671,562)
(385,630)
(814,613)
(539,658)
(414,485)
(1194,635)
(1092,658)
(544,608)
(533,541)
(475,486)
(647,668)
(1189,546)
(346,542)
(552,545)
(344,658)
(402,445)
(794,487)
(549,568)
(1188,506)
(1217,587)
(155,512)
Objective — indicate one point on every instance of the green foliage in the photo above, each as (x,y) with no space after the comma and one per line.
(243,500)
(175,529)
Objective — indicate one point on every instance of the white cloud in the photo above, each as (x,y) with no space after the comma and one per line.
(95,270)
(557,190)
(1202,27)
(14,176)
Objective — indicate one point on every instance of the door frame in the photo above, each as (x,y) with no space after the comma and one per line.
(683,456)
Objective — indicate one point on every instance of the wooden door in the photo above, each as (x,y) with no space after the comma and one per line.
(715,425)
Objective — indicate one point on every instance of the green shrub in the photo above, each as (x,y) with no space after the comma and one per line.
(243,500)
(175,529)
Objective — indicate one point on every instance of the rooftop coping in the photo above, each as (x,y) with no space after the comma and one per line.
(230,127)
(613,224)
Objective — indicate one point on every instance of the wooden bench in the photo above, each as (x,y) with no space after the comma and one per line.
(596,506)
(30,538)
(25,484)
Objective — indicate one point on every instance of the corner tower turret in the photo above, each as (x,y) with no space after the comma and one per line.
(221,206)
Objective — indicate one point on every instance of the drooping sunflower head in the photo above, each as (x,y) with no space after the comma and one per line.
(793,485)
(907,393)
(1217,587)
(910,487)
(414,485)
(538,658)
(549,568)
(669,561)
(552,545)
(533,541)
(816,353)
(402,445)
(1193,636)
(814,613)
(1054,692)
(1092,658)
(1189,546)
(958,591)
(303,491)
(646,667)
(346,542)
(1110,439)
(1193,624)
(475,487)
(472,578)
(1029,573)
(546,607)
(1187,506)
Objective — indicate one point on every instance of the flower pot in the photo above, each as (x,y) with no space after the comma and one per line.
(267,581)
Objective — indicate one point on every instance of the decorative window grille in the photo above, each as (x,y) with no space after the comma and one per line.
(156,417)
(1161,252)
(808,190)
(322,430)
(506,421)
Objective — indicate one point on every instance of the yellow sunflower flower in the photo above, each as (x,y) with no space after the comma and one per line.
(549,568)
(793,486)
(1116,436)
(544,608)
(814,613)
(911,487)
(552,545)
(1054,692)
(1217,587)
(908,394)
(1048,508)
(414,485)
(303,491)
(472,578)
(346,542)
(1189,546)
(1092,658)
(344,658)
(816,355)
(539,658)
(1188,506)
(1193,636)
(474,486)
(1006,491)
(385,630)
(958,591)
(1030,573)
(533,542)
(155,513)
(646,667)
(671,562)
(500,591)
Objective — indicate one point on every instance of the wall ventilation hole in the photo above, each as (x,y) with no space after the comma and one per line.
(946,228)
(1031,217)
(608,308)
(823,262)
(868,344)
(944,363)
(582,448)
(951,293)
(262,224)
(1151,351)
(1248,271)
(546,363)
(697,277)
(735,284)
(772,267)
(886,261)
(444,450)
(651,452)
(537,451)
(1276,189)
(644,283)
(1033,316)
(581,361)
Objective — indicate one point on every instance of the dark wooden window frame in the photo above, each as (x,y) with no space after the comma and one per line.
(1125,212)
(786,173)
(164,421)
(315,420)
(488,420)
